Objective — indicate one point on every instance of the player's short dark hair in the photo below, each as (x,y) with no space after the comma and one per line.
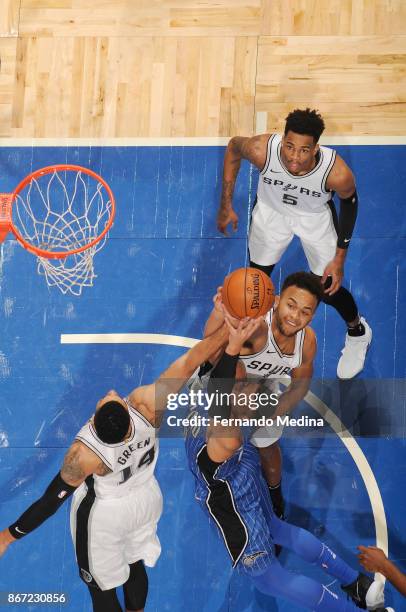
(304,280)
(111,422)
(308,122)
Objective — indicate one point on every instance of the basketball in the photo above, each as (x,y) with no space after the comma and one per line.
(248,292)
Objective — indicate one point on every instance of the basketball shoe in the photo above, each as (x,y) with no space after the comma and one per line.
(354,352)
(367,593)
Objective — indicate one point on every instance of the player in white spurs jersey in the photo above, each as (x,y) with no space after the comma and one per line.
(283,346)
(116,500)
(298,179)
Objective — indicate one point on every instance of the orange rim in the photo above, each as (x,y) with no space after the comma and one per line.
(49,170)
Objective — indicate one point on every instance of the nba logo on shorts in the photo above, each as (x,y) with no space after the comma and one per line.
(249,560)
(86,576)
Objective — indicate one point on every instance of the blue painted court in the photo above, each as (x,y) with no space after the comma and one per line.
(156,275)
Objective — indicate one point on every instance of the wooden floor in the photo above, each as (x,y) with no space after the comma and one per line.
(124,68)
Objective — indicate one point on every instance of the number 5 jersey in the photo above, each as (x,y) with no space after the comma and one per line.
(290,194)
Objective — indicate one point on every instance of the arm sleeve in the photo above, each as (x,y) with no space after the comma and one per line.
(346,220)
(57,492)
(221,383)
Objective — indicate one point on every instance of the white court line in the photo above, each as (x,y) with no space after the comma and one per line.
(328,415)
(128,339)
(201,141)
(363,466)
(396,322)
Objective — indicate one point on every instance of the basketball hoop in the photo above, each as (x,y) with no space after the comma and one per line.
(62,215)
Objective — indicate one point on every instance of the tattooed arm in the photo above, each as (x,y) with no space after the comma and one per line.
(79,463)
(252,149)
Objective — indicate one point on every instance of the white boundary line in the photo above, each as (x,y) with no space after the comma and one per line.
(319,406)
(362,464)
(182,341)
(183,142)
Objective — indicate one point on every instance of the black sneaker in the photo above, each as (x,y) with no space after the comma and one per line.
(358,590)
(366,593)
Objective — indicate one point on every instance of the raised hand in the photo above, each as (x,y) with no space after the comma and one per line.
(240,330)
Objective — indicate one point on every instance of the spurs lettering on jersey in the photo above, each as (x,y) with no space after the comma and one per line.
(290,187)
(288,193)
(131,462)
(270,362)
(267,369)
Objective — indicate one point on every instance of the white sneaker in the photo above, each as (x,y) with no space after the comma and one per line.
(375,597)
(353,354)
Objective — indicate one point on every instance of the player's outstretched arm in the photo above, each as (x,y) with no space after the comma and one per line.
(216,318)
(5,540)
(300,377)
(223,438)
(341,180)
(151,400)
(252,149)
(373,559)
(79,463)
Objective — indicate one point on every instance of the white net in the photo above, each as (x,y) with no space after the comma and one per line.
(63,211)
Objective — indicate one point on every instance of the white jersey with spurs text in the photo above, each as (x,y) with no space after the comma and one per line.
(270,362)
(271,365)
(290,194)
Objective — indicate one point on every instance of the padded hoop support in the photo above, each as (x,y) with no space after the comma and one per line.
(5,214)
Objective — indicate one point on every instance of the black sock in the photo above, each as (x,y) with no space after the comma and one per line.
(358,330)
(277,499)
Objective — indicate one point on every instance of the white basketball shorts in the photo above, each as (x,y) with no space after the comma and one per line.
(271,233)
(110,534)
